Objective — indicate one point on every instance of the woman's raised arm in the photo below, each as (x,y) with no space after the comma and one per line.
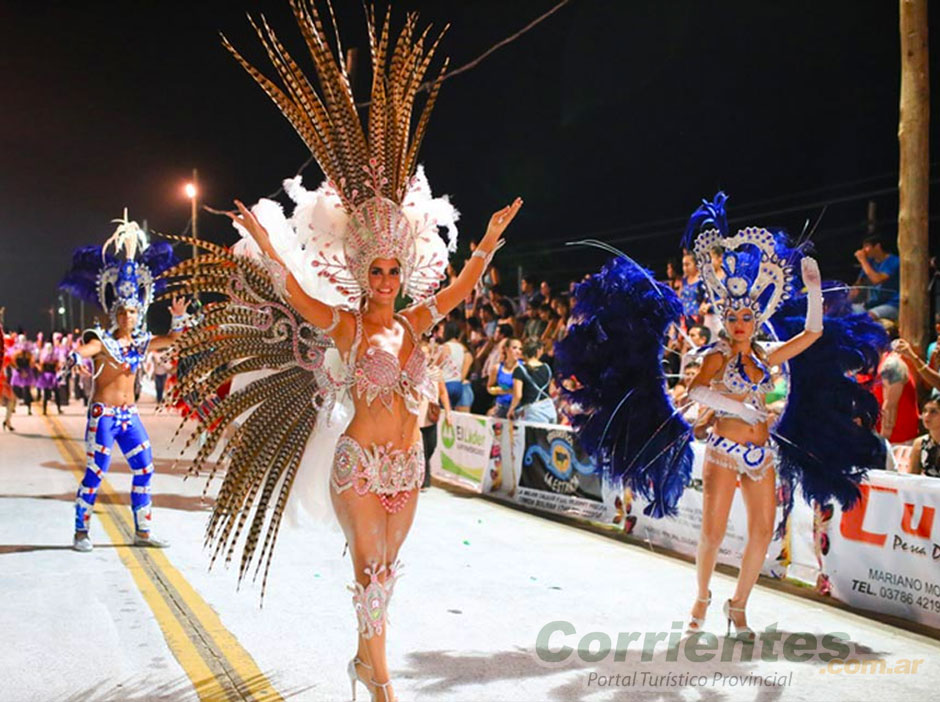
(337,324)
(422,317)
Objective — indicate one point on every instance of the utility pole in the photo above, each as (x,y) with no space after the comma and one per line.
(914,179)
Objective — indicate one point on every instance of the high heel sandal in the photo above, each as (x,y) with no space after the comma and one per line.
(354,675)
(696,623)
(384,687)
(743,633)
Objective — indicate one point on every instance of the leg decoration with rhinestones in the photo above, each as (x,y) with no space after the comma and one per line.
(371,601)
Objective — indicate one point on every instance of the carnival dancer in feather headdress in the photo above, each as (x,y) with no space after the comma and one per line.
(369,234)
(123,283)
(610,369)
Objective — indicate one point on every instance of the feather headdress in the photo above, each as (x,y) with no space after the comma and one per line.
(370,169)
(111,281)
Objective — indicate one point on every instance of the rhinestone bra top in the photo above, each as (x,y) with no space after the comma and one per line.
(379,374)
(735,380)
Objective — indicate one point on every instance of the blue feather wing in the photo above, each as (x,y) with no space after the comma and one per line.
(81,278)
(826,434)
(159,257)
(619,407)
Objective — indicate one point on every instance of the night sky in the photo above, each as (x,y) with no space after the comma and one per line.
(611,119)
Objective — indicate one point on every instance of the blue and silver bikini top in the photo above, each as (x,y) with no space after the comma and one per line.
(735,380)
(128,358)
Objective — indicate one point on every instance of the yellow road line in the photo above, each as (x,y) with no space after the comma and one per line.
(218,666)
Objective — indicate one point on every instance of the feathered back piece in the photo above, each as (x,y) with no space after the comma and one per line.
(609,367)
(272,417)
(369,168)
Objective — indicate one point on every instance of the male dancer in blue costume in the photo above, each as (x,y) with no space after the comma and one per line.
(124,289)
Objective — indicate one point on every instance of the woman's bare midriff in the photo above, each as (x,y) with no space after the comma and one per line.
(375,424)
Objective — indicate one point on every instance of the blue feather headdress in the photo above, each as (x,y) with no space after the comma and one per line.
(112,282)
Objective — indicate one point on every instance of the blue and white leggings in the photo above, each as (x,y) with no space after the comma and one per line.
(106,425)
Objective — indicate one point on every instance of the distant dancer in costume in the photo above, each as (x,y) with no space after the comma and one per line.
(47,376)
(124,286)
(610,371)
(317,319)
(23,375)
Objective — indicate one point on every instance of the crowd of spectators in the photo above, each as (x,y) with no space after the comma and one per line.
(499,349)
(501,352)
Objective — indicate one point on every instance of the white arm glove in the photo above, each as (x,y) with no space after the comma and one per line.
(719,401)
(814,300)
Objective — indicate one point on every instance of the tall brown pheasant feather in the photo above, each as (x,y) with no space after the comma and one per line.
(327,119)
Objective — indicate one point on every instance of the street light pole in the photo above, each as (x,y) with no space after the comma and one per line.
(192,190)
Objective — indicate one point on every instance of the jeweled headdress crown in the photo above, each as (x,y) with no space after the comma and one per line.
(113,281)
(756,275)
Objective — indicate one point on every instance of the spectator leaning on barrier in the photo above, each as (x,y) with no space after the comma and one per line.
(925,454)
(429,413)
(532,382)
(880,278)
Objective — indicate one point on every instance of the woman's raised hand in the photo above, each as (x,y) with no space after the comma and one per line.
(250,223)
(810,271)
(500,220)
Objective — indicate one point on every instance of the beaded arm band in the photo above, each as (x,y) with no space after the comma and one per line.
(278,275)
(72,360)
(178,322)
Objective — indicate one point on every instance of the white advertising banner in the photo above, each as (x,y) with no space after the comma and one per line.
(884,553)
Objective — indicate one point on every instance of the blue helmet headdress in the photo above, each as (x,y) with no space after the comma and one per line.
(758,271)
(113,282)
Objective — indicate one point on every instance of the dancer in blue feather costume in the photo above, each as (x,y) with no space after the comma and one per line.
(609,367)
(124,287)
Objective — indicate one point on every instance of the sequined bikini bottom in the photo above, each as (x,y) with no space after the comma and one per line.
(747,458)
(390,474)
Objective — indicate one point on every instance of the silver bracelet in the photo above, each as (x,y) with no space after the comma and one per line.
(431,303)
(487,256)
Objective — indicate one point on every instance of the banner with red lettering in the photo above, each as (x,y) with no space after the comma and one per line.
(884,554)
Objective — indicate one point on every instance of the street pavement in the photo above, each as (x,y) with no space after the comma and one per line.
(480,582)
